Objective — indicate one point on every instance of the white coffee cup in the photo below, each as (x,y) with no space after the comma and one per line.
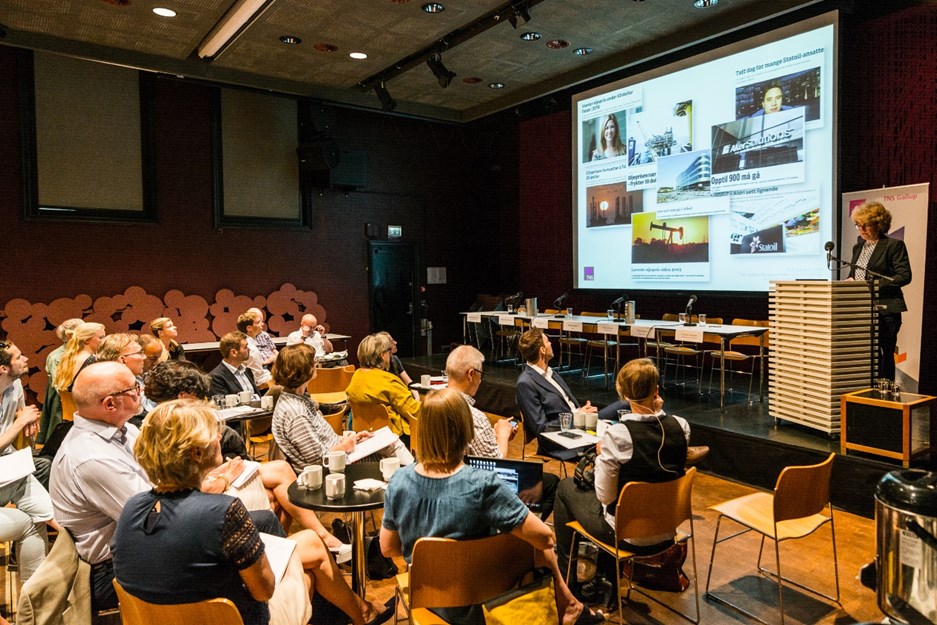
(231,400)
(579,419)
(389,466)
(245,397)
(426,380)
(311,477)
(335,461)
(592,419)
(266,402)
(335,486)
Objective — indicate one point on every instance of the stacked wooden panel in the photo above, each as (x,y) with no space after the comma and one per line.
(821,343)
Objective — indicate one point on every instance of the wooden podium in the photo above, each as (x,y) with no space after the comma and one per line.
(821,348)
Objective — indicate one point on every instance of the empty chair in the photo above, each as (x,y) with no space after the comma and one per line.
(796,509)
(647,509)
(688,356)
(756,347)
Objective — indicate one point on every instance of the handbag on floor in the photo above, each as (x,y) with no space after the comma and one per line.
(663,571)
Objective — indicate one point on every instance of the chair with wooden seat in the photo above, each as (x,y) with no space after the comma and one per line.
(688,356)
(528,438)
(797,508)
(608,348)
(336,420)
(330,380)
(570,344)
(135,611)
(657,344)
(368,416)
(68,406)
(647,509)
(259,433)
(756,350)
(447,573)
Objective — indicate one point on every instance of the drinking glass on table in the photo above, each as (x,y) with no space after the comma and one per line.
(702,319)
(566,421)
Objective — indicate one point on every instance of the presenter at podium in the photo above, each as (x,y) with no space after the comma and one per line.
(878,253)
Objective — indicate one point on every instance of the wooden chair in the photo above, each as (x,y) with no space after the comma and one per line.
(136,611)
(336,420)
(259,433)
(368,416)
(448,573)
(68,406)
(648,509)
(732,356)
(796,509)
(608,349)
(688,356)
(330,380)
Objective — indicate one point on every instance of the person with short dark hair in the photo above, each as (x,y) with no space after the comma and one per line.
(232,376)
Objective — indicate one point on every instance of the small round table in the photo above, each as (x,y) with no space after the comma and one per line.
(357,502)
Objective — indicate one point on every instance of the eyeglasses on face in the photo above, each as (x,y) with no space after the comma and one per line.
(861,226)
(135,389)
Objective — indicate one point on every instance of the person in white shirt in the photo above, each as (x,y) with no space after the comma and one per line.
(231,376)
(313,334)
(247,324)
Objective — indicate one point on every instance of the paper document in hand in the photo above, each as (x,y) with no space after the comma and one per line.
(250,468)
(380,439)
(16,466)
(278,552)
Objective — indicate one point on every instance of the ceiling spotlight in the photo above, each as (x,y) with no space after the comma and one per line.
(521,15)
(291,40)
(387,103)
(705,4)
(433,7)
(443,75)
(496,85)
(164,12)
(530,36)
(583,51)
(358,55)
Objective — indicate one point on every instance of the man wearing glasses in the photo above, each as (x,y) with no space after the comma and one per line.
(26,524)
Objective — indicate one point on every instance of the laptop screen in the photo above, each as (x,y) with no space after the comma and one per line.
(525,478)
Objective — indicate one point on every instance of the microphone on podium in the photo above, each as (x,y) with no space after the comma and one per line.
(829,252)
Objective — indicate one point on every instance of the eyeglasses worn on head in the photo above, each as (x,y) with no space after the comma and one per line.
(135,389)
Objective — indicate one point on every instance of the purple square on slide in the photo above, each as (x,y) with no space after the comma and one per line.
(588,273)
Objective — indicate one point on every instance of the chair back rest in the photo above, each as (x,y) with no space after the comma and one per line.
(654,508)
(803,491)
(528,436)
(256,427)
(670,317)
(136,611)
(68,406)
(593,314)
(446,573)
(756,341)
(366,416)
(336,420)
(331,380)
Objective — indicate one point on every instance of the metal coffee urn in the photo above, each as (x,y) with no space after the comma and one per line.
(906,522)
(531,306)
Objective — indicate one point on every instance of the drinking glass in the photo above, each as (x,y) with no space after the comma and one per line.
(682,319)
(702,319)
(566,420)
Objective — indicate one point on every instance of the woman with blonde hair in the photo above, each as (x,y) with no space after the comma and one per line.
(373,383)
(165,330)
(52,404)
(441,496)
(611,145)
(175,544)
(86,338)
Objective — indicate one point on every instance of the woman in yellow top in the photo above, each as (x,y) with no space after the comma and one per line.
(372,383)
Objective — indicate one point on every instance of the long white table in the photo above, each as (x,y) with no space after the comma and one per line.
(641,328)
(279,341)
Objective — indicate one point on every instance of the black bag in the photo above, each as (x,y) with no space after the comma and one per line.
(584,476)
(663,571)
(379,567)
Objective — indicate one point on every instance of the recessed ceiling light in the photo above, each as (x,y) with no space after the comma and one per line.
(471,80)
(164,12)
(583,51)
(324,47)
(433,7)
(358,55)
(530,36)
(557,44)
(705,4)
(291,40)
(496,85)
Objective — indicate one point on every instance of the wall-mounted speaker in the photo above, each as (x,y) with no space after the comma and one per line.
(319,156)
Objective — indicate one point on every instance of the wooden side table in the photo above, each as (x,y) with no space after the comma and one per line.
(902,429)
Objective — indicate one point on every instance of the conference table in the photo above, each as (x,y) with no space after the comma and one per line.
(644,329)
(279,341)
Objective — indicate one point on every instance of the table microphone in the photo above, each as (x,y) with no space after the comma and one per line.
(829,252)
(558,302)
(689,310)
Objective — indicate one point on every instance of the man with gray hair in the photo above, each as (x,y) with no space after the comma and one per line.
(464,367)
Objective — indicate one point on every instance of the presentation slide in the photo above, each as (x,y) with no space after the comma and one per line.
(716,173)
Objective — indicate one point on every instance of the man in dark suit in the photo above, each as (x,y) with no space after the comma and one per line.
(541,393)
(231,376)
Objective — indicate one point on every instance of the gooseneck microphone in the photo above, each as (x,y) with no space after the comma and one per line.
(689,305)
(558,302)
(829,252)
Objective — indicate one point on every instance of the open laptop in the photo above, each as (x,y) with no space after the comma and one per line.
(519,475)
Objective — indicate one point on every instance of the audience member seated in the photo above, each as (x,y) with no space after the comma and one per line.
(153,350)
(372,383)
(648,445)
(52,404)
(268,351)
(184,380)
(312,334)
(298,426)
(396,366)
(165,330)
(441,496)
(125,348)
(80,348)
(25,524)
(541,393)
(464,369)
(232,376)
(247,324)
(176,544)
